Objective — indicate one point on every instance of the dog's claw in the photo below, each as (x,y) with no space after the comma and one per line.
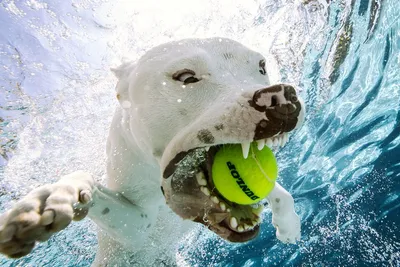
(47,217)
(85,196)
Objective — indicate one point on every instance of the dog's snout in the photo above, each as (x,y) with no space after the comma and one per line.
(286,109)
(281,97)
(281,106)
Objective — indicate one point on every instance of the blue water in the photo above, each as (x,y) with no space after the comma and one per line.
(342,166)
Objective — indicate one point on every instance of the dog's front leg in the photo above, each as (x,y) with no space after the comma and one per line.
(120,218)
(45,211)
(284,217)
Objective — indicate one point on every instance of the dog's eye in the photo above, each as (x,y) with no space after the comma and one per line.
(186,76)
(261,64)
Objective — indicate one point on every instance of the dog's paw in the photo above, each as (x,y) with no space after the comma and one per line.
(44,211)
(288,229)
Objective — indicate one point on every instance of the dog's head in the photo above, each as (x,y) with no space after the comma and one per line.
(184,100)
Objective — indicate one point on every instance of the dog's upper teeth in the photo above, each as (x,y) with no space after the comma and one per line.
(207,148)
(280,141)
(286,136)
(201,180)
(276,141)
(269,142)
(246,149)
(260,144)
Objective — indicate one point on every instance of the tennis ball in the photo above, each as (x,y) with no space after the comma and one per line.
(244,181)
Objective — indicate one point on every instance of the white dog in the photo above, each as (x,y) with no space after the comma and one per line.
(179,102)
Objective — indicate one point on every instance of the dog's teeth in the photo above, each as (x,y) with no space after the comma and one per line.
(260,144)
(269,142)
(233,222)
(246,149)
(222,206)
(247,227)
(281,140)
(205,191)
(201,180)
(215,199)
(240,229)
(275,142)
(207,148)
(286,138)
(257,211)
(258,220)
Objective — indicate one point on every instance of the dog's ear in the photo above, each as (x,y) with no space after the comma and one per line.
(122,93)
(116,71)
(122,73)
(124,69)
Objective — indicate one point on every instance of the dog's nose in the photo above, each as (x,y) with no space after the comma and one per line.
(281,107)
(279,100)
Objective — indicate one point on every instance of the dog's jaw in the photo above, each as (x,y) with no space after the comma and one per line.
(268,122)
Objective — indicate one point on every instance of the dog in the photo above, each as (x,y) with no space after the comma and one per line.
(178,104)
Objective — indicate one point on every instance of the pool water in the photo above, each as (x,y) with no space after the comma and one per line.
(342,166)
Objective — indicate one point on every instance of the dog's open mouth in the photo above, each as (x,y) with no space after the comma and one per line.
(190,192)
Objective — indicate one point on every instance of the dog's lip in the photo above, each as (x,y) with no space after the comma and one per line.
(243,236)
(172,165)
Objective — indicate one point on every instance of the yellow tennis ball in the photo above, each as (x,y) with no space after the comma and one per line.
(244,181)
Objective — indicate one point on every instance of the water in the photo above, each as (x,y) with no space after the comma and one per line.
(342,167)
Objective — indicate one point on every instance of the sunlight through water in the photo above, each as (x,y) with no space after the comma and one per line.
(57,99)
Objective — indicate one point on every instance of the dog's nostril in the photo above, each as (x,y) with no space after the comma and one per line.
(263,124)
(274,101)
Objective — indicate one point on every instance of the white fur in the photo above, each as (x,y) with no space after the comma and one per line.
(158,118)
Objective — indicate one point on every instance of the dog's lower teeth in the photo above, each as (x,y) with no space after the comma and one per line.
(257,211)
(201,180)
(240,228)
(246,226)
(215,199)
(205,191)
(222,206)
(233,222)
